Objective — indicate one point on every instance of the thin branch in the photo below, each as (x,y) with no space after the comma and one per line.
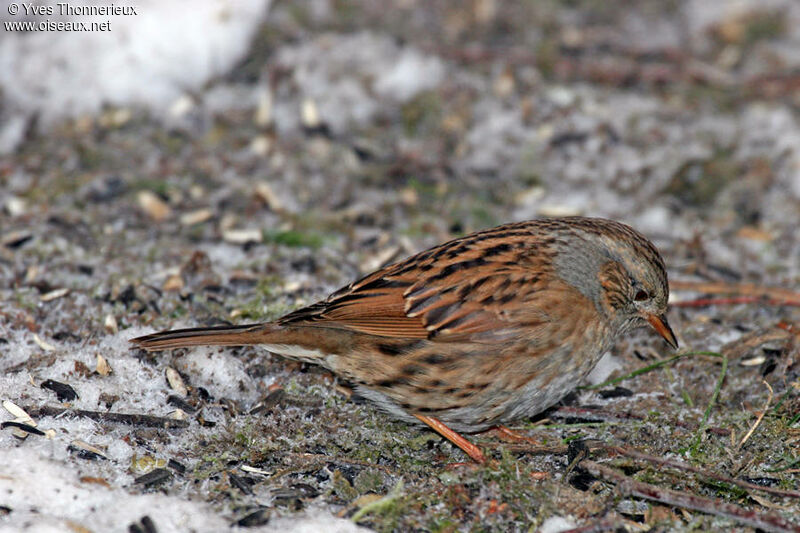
(615,416)
(528,449)
(566,411)
(636,454)
(753,340)
(316,459)
(767,521)
(760,416)
(706,302)
(778,295)
(104,416)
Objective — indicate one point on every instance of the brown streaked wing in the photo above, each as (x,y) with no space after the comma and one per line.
(482,305)
(373,305)
(466,289)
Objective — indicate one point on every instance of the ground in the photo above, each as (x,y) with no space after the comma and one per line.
(353,134)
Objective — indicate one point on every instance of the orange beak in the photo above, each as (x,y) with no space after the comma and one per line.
(661,325)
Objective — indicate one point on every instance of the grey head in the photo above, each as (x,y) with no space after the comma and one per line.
(618,269)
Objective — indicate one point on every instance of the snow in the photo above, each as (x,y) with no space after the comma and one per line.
(168,48)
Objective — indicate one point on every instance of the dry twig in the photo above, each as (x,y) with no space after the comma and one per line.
(309,461)
(739,293)
(755,339)
(760,416)
(118,418)
(636,454)
(613,416)
(767,521)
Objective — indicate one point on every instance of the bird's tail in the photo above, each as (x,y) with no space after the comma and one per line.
(212,336)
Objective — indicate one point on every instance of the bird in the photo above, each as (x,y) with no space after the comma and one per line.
(480,331)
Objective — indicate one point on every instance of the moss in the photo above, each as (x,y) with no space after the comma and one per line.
(495,496)
(300,14)
(530,178)
(765,26)
(547,56)
(748,29)
(726,490)
(89,156)
(293,387)
(724,99)
(27,299)
(368,481)
(422,112)
(179,311)
(293,238)
(483,216)
(697,183)
(425,188)
(390,508)
(348,10)
(159,187)
(247,436)
(172,142)
(342,487)
(266,303)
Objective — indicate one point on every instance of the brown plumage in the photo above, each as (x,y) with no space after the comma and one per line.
(478,331)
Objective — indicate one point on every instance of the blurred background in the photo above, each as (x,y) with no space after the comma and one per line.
(220,160)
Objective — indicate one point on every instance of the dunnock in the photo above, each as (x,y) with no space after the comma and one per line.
(476,332)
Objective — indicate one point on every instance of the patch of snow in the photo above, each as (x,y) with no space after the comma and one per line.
(50,494)
(604,368)
(168,48)
(556,524)
(343,74)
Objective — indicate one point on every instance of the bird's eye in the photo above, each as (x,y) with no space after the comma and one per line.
(641,295)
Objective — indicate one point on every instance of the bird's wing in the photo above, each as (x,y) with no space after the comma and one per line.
(471,288)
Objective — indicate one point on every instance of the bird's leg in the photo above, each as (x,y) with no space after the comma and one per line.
(510,434)
(438,426)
